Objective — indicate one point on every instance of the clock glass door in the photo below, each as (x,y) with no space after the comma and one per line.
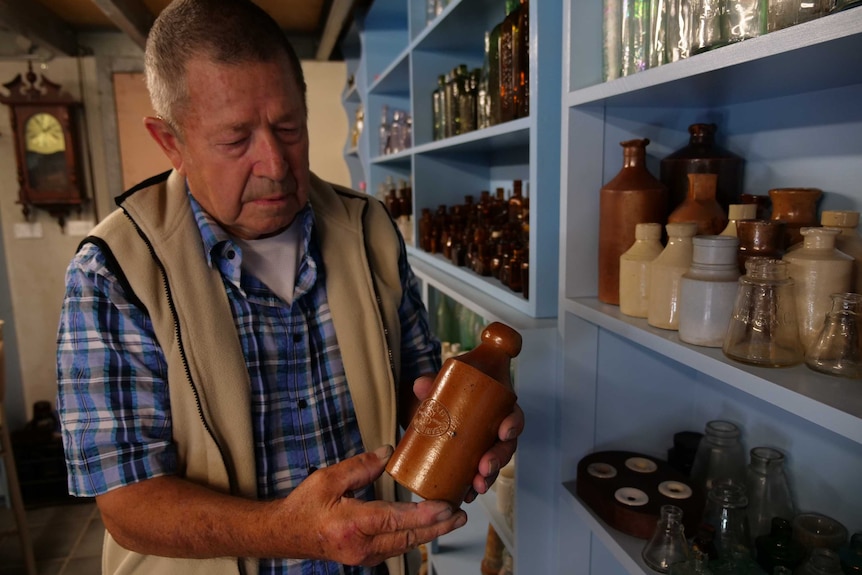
(45,151)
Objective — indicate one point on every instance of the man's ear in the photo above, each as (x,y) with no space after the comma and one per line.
(167,139)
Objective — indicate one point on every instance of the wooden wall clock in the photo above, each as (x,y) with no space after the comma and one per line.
(46,145)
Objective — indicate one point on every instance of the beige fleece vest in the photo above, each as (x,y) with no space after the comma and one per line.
(208,381)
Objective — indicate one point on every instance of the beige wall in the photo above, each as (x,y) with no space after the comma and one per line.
(35,267)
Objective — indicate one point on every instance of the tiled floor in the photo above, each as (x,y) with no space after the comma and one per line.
(67,540)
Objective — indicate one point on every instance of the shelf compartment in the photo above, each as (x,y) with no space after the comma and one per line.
(832,403)
(394,79)
(461,27)
(384,33)
(826,53)
(625,548)
(510,135)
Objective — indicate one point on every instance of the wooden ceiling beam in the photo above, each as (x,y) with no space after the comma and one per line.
(40,25)
(131,16)
(339,12)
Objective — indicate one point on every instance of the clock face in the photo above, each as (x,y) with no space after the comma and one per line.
(43,134)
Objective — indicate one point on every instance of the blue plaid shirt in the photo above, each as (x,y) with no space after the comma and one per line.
(113,394)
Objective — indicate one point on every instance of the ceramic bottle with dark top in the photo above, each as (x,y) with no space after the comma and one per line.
(797,207)
(702,155)
(632,197)
(453,427)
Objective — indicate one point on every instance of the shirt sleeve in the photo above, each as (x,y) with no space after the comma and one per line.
(420,349)
(112,394)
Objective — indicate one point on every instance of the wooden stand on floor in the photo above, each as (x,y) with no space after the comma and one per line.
(8,459)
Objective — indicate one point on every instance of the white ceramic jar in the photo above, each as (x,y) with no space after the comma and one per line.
(848,241)
(708,290)
(665,273)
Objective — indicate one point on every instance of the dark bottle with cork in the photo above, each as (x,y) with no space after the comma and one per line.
(439,454)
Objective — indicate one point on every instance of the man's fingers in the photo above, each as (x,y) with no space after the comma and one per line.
(408,525)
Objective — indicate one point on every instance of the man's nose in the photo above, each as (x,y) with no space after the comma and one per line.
(270,155)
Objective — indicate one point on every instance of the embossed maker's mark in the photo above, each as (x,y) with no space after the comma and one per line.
(432,418)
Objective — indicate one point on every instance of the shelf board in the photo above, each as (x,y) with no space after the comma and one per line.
(514,134)
(484,295)
(395,78)
(833,403)
(352,152)
(826,53)
(625,548)
(351,94)
(397,158)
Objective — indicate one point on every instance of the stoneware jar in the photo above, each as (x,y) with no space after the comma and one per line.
(797,207)
(708,291)
(632,197)
(700,206)
(848,241)
(634,269)
(759,238)
(439,454)
(736,212)
(665,273)
(818,270)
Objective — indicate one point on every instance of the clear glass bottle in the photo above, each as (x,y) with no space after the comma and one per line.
(494,79)
(781,14)
(658,32)
(726,515)
(611,45)
(635,36)
(437,108)
(697,565)
(667,545)
(763,329)
(777,548)
(666,271)
(508,34)
(384,131)
(769,493)
(483,95)
(678,31)
(821,562)
(837,349)
(851,555)
(706,33)
(720,456)
(743,19)
(467,102)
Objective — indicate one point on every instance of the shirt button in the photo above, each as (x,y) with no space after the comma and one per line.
(302,404)
(231,254)
(297,337)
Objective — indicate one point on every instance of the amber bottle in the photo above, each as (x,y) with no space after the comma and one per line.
(453,427)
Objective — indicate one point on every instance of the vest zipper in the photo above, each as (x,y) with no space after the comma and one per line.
(379,300)
(178,335)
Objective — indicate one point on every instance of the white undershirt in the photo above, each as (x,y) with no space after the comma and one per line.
(274,260)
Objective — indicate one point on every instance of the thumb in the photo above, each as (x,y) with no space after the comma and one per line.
(361,470)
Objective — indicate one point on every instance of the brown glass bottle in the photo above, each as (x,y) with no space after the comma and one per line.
(632,197)
(439,454)
(507,64)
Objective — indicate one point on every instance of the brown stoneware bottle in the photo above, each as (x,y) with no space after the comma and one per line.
(439,454)
(632,197)
(700,206)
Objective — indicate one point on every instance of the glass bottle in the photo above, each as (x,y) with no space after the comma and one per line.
(743,19)
(781,14)
(384,131)
(483,95)
(725,514)
(494,71)
(458,422)
(665,274)
(437,107)
(851,555)
(508,33)
(632,197)
(467,102)
(815,530)
(818,270)
(777,548)
(395,132)
(521,58)
(667,545)
(763,329)
(848,241)
(707,32)
(708,291)
(516,200)
(720,456)
(634,269)
(658,33)
(821,562)
(611,35)
(736,212)
(837,349)
(635,36)
(358,125)
(812,9)
(769,493)
(697,565)
(678,30)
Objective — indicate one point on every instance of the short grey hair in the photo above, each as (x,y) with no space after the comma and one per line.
(224,31)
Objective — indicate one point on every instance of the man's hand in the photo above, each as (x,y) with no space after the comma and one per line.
(500,453)
(320,519)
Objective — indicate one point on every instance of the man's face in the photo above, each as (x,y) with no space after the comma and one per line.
(244,144)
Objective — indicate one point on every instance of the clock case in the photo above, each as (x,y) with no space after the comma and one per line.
(34,95)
